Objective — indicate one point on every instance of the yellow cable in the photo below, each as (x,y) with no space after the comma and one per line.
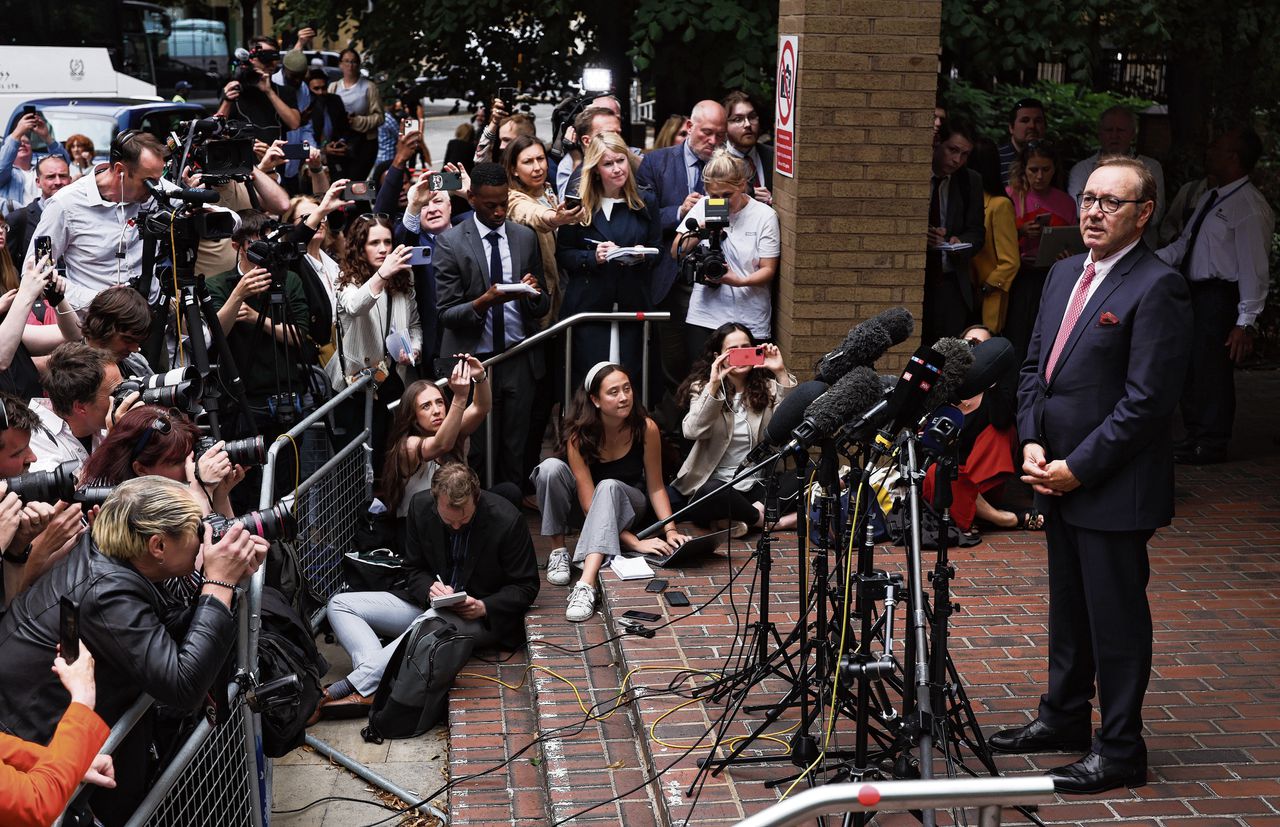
(297,469)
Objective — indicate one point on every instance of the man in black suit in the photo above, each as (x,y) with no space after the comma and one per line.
(1096,396)
(955,217)
(458,538)
(477,265)
(52,174)
(744,141)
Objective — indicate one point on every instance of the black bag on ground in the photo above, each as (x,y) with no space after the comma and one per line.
(414,693)
(285,647)
(375,564)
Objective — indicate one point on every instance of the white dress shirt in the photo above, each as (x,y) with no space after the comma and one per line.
(1234,244)
(512,319)
(53,443)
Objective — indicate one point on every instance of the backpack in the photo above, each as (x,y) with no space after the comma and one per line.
(414,693)
(285,647)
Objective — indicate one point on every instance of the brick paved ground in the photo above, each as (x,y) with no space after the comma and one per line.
(1211,710)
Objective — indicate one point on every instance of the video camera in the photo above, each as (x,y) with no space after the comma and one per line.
(274,250)
(56,485)
(274,523)
(248,451)
(180,388)
(706,265)
(221,148)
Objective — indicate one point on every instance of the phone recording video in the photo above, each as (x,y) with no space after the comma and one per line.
(740,357)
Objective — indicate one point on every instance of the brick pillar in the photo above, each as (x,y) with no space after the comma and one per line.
(855,215)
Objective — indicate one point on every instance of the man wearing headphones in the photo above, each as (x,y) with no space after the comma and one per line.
(92,224)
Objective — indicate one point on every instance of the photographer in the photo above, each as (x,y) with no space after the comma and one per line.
(751,248)
(147,531)
(118,322)
(251,95)
(20,341)
(78,380)
(216,254)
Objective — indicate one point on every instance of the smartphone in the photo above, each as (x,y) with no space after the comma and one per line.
(648,617)
(409,126)
(676,599)
(508,95)
(420,255)
(745,357)
(69,629)
(297,151)
(29,109)
(359,191)
(444,365)
(655,585)
(44,247)
(1043,220)
(438,181)
(572,202)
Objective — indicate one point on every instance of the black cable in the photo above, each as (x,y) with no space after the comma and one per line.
(308,806)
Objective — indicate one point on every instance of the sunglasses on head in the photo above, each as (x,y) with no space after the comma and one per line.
(162,424)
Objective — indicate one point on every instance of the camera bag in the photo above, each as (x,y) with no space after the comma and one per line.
(286,647)
(414,693)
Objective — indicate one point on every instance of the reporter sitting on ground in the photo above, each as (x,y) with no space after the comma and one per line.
(613,471)
(148,530)
(458,538)
(32,535)
(118,322)
(23,346)
(729,408)
(38,781)
(429,430)
(78,380)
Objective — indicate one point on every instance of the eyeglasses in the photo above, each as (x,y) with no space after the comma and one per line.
(1107,203)
(162,425)
(752,118)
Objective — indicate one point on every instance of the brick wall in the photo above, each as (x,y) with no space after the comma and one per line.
(854,217)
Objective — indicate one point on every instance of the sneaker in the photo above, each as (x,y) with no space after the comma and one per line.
(582,603)
(738,529)
(558,567)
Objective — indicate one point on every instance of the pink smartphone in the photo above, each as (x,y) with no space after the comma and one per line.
(741,357)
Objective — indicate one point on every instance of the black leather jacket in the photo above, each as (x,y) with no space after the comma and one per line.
(141,642)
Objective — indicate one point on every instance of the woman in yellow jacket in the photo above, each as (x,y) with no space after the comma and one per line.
(996,264)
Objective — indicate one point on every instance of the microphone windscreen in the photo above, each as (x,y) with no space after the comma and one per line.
(959,359)
(897,322)
(790,411)
(992,360)
(856,392)
(862,346)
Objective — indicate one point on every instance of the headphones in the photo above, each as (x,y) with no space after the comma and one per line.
(118,143)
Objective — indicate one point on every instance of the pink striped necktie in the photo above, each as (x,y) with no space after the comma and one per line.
(1076,307)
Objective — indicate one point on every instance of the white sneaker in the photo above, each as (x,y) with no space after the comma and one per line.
(558,567)
(582,603)
(738,529)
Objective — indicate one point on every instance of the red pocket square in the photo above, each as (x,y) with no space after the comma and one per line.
(1108,318)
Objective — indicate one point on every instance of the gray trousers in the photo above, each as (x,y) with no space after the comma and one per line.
(614,508)
(361,619)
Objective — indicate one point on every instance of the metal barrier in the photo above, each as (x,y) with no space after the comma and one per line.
(989,795)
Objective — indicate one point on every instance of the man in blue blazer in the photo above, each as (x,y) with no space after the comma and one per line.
(1104,371)
(481,316)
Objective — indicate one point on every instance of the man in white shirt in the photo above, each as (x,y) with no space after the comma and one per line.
(1116,130)
(79,380)
(1224,251)
(93,221)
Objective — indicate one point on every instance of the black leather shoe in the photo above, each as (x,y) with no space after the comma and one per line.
(1038,736)
(1199,455)
(1096,774)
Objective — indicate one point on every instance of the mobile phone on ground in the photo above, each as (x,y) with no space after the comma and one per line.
(745,357)
(444,365)
(420,255)
(676,599)
(656,585)
(359,191)
(444,181)
(69,628)
(296,151)
(649,617)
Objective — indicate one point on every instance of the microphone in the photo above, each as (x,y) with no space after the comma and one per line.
(856,391)
(904,401)
(992,360)
(190,196)
(942,430)
(691,225)
(957,355)
(786,417)
(866,342)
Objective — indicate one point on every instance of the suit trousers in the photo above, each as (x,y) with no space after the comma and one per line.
(1209,395)
(514,389)
(1099,626)
(948,305)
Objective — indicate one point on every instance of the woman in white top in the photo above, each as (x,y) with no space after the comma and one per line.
(751,249)
(354,154)
(304,209)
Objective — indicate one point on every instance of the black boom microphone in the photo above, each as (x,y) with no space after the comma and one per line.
(190,196)
(857,390)
(992,359)
(786,417)
(866,342)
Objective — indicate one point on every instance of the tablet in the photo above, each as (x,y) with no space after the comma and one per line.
(1053,240)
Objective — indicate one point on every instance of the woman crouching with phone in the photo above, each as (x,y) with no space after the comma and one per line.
(613,470)
(731,394)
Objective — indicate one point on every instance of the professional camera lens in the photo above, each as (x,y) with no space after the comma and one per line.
(248,451)
(92,495)
(46,486)
(275,523)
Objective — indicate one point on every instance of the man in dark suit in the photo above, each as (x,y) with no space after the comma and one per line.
(52,174)
(743,121)
(1103,374)
(476,264)
(955,217)
(675,176)
(458,538)
(428,215)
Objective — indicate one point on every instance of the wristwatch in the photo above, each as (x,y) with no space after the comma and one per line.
(1251,329)
(19,559)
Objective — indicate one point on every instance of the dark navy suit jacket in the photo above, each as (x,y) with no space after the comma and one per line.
(664,172)
(1108,409)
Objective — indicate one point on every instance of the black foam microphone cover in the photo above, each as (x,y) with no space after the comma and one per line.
(898,322)
(992,360)
(862,346)
(856,392)
(790,411)
(959,359)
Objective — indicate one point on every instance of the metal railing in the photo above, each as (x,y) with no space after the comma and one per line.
(989,795)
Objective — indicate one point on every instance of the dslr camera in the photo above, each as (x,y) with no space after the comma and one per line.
(248,451)
(180,388)
(57,485)
(274,523)
(706,264)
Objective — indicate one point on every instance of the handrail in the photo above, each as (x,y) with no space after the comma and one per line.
(988,794)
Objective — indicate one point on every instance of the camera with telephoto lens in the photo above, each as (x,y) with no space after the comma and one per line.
(248,451)
(180,388)
(56,485)
(222,149)
(706,265)
(274,250)
(274,523)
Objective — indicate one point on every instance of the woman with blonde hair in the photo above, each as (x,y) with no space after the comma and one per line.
(672,133)
(616,214)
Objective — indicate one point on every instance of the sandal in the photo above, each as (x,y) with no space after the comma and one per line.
(1031,520)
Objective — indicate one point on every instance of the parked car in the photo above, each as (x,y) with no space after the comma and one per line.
(101,118)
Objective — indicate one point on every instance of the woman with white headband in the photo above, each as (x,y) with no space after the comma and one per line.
(612,470)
